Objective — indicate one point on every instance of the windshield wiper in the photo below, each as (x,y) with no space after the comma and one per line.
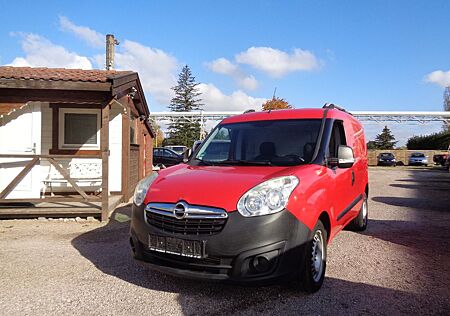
(205,162)
(244,162)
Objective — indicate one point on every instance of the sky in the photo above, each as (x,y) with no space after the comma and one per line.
(363,55)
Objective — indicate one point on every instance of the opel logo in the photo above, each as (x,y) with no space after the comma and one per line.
(180,210)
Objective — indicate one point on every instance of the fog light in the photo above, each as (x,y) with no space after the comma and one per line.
(261,264)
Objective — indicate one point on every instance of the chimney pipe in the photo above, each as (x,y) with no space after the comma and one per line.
(110,43)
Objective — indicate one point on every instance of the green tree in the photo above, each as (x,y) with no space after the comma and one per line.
(183,131)
(385,140)
(371,145)
(436,141)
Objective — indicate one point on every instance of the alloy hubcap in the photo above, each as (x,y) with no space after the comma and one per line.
(317,261)
(364,210)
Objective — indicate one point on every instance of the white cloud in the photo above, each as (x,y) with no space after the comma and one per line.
(156,68)
(278,63)
(215,100)
(222,66)
(87,34)
(248,82)
(225,67)
(439,77)
(40,52)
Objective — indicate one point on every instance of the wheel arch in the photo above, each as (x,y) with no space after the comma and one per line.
(325,219)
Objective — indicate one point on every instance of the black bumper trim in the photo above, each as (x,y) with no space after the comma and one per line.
(230,253)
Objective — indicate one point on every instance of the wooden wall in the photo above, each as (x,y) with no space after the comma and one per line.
(133,171)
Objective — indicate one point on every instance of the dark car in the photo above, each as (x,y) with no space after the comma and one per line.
(166,157)
(386,159)
(440,159)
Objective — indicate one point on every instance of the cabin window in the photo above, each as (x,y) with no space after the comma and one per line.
(79,129)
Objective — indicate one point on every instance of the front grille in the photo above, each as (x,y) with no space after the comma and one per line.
(194,220)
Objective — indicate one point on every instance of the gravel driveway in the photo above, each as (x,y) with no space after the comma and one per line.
(400,265)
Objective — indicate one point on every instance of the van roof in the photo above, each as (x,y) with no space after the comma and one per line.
(288,115)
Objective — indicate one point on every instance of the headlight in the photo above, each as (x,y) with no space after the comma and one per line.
(142,187)
(268,197)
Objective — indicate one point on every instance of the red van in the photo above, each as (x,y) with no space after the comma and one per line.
(259,199)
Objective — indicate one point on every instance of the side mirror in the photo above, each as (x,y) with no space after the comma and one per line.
(186,155)
(345,157)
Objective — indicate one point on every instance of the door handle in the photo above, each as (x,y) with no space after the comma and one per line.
(353,177)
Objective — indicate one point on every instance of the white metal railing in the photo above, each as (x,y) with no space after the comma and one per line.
(403,117)
(418,116)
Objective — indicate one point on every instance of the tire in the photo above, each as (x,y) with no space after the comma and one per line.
(360,222)
(136,249)
(312,270)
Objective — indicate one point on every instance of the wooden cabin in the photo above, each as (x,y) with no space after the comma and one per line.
(71,135)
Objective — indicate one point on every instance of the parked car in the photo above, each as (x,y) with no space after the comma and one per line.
(386,159)
(418,159)
(447,164)
(440,159)
(166,157)
(259,201)
(180,150)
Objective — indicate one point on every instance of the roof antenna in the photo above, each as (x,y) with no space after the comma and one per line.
(110,43)
(274,93)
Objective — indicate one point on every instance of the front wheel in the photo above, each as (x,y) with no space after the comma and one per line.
(314,264)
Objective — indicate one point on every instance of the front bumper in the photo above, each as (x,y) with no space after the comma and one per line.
(418,162)
(230,254)
(386,162)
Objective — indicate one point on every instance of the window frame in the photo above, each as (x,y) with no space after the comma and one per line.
(342,137)
(61,118)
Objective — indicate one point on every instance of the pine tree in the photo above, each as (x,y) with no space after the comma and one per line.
(181,130)
(385,140)
(447,99)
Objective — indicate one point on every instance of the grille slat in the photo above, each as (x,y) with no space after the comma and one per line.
(198,220)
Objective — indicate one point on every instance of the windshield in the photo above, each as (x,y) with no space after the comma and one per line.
(418,155)
(277,143)
(386,155)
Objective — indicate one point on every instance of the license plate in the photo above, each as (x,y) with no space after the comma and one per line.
(177,246)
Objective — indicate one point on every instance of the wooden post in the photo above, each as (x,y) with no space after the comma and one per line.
(104,148)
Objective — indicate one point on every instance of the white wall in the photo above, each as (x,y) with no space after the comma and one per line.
(115,148)
(115,144)
(33,124)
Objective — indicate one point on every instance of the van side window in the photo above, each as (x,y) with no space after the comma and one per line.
(337,138)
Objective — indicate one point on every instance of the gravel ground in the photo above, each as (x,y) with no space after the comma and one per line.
(400,265)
